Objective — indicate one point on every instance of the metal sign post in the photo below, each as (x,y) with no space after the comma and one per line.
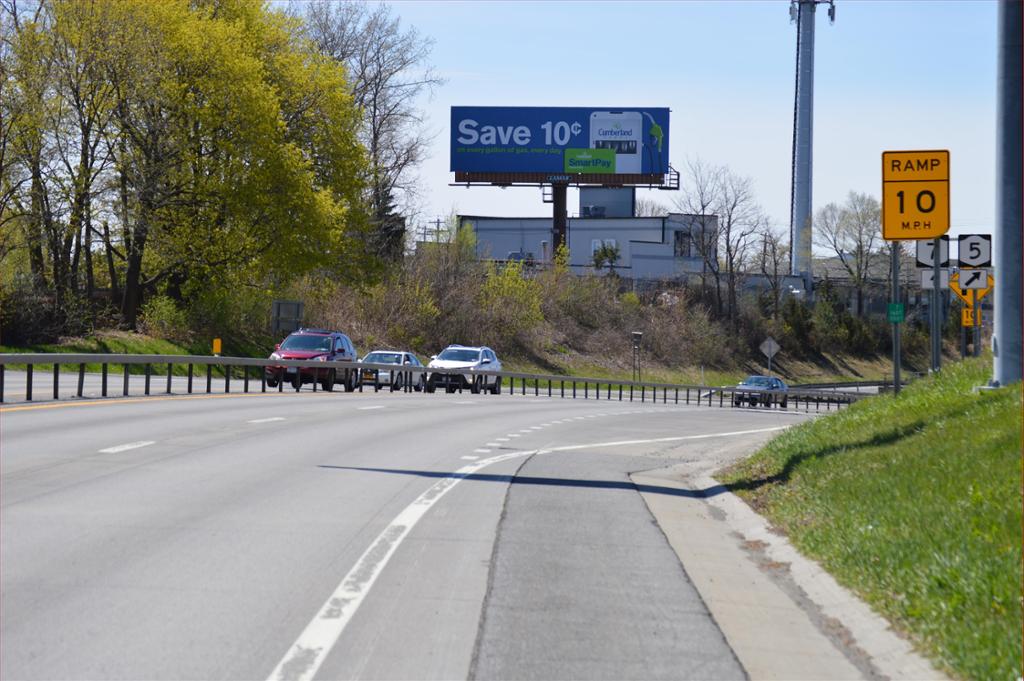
(936,315)
(896,326)
(976,311)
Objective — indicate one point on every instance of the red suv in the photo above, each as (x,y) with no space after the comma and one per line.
(318,345)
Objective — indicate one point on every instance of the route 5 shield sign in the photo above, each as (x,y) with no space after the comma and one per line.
(975,250)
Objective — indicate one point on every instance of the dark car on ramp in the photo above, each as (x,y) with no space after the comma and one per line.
(766,390)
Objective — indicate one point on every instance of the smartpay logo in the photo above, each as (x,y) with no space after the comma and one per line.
(588,163)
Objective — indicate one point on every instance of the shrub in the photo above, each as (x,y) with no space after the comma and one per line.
(162,318)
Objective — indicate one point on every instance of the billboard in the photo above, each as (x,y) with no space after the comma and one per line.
(595,141)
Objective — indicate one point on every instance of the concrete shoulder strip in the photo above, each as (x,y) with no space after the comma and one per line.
(771,634)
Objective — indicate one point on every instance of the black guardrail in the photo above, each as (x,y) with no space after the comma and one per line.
(277,373)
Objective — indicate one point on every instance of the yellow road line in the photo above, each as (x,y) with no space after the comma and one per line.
(114,400)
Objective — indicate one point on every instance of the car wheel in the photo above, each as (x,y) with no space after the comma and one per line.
(272,381)
(785,403)
(327,384)
(420,385)
(350,381)
(737,402)
(496,388)
(753,401)
(429,388)
(474,387)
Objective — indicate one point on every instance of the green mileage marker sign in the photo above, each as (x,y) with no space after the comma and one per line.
(590,161)
(895,313)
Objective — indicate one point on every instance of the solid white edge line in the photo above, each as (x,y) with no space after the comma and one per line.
(681,438)
(307,654)
(376,406)
(267,420)
(129,445)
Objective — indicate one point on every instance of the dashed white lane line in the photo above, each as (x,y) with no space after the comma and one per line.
(494,444)
(376,406)
(464,402)
(125,447)
(303,659)
(514,435)
(267,420)
(535,427)
(482,451)
(469,458)
(501,439)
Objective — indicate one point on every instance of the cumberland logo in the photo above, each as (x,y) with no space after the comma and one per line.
(615,131)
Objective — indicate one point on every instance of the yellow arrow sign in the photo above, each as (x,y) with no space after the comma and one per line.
(965,293)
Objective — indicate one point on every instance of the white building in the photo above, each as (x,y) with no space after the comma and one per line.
(649,247)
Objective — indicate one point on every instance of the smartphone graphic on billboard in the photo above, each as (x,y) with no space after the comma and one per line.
(621,131)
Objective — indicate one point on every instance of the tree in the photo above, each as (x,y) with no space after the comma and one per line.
(853,232)
(606,254)
(701,198)
(649,208)
(739,219)
(388,73)
(771,258)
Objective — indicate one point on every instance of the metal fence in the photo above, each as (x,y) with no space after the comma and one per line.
(261,375)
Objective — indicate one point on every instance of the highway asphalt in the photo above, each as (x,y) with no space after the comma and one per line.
(336,535)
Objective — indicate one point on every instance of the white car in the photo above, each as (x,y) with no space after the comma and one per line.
(397,357)
(469,358)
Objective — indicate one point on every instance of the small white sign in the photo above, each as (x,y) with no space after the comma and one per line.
(925,249)
(975,250)
(973,279)
(770,347)
(928,276)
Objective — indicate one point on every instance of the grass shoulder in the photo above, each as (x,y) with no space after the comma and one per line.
(914,503)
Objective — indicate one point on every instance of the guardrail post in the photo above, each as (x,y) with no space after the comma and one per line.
(103,372)
(124,381)
(721,398)
(227,378)
(149,369)
(687,395)
(28,385)
(620,392)
(170,371)
(81,378)
(549,387)
(574,390)
(609,391)
(189,379)
(561,384)
(56,381)
(2,371)
(586,390)
(263,379)
(677,395)
(630,392)
(643,391)
(536,388)
(209,378)
(376,380)
(245,379)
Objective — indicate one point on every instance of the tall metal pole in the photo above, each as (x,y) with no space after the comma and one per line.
(1009,254)
(560,219)
(896,326)
(803,138)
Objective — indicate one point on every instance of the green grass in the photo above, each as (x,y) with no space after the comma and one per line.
(119,342)
(915,504)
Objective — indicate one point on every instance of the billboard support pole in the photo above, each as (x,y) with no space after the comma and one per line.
(560,224)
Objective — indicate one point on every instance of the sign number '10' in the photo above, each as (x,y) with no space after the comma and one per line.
(923,197)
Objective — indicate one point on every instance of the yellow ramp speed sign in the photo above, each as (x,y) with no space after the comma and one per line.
(915,194)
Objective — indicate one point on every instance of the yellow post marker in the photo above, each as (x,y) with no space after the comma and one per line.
(915,194)
(967,316)
(216,346)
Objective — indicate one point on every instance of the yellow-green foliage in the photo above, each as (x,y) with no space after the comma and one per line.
(510,300)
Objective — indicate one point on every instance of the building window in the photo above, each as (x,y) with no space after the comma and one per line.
(683,244)
(595,244)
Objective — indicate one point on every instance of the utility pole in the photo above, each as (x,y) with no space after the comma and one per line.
(1006,341)
(802,12)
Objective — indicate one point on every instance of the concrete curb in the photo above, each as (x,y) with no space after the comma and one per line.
(889,653)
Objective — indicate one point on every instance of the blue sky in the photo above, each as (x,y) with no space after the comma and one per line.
(889,76)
